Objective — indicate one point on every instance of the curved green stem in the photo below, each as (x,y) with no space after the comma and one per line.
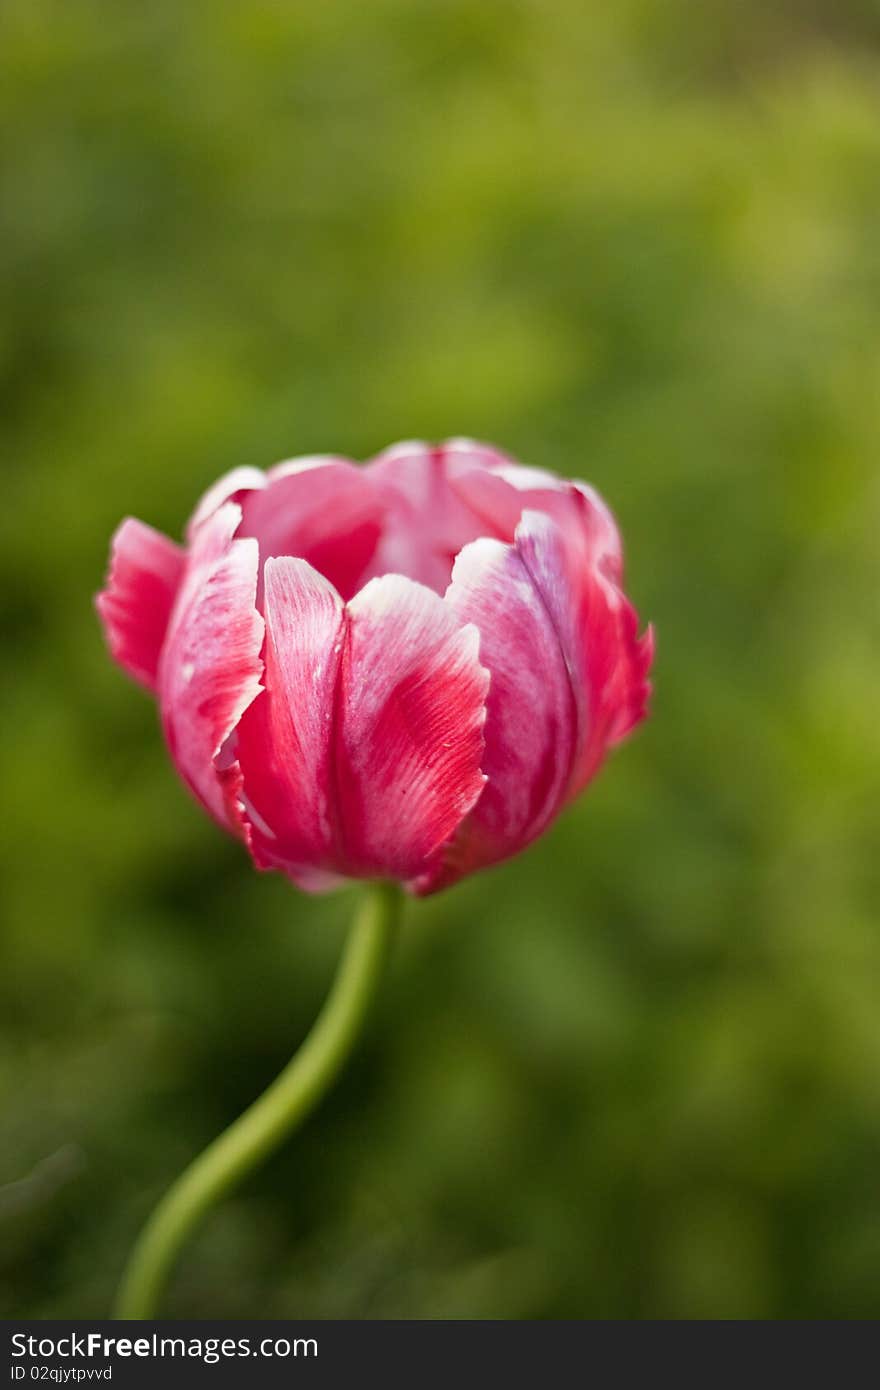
(271,1118)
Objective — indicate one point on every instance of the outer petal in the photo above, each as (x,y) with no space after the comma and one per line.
(145,571)
(428,521)
(531,714)
(569,678)
(210,668)
(597,628)
(410,734)
(285,738)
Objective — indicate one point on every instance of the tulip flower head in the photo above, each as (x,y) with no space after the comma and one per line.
(399,671)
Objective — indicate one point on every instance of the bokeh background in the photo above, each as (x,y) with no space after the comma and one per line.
(635,1073)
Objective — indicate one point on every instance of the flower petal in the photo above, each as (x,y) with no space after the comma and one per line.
(232,487)
(428,522)
(284,743)
(531,714)
(325,510)
(499,491)
(210,667)
(145,572)
(410,734)
(576,576)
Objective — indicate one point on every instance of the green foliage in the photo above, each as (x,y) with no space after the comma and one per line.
(635,1073)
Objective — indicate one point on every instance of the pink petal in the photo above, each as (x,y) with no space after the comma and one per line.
(499,491)
(210,668)
(145,571)
(568,676)
(284,743)
(410,736)
(324,510)
(231,487)
(597,628)
(428,521)
(531,714)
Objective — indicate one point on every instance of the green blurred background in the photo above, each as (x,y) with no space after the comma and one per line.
(635,1073)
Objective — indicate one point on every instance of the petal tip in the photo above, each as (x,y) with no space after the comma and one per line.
(144,572)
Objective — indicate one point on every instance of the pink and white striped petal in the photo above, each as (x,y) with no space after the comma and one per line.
(531,715)
(285,738)
(145,573)
(597,628)
(409,742)
(210,667)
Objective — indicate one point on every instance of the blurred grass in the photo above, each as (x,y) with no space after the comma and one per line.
(637,1072)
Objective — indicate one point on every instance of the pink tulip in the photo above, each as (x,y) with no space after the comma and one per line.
(401,671)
